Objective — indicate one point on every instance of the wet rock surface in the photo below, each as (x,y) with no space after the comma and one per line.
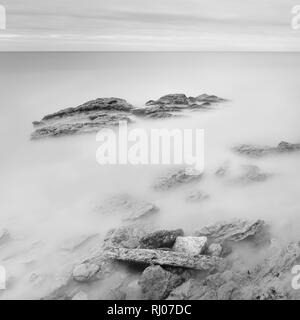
(176,177)
(260,151)
(86,118)
(129,207)
(160,239)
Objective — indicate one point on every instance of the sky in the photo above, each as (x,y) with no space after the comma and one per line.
(158,25)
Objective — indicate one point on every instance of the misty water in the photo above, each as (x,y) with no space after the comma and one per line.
(50,187)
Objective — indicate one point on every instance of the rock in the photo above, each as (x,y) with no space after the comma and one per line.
(4,235)
(89,117)
(223,170)
(80,296)
(160,239)
(156,111)
(129,207)
(126,236)
(236,230)
(197,196)
(85,272)
(157,283)
(190,245)
(252,173)
(164,258)
(260,151)
(176,177)
(215,249)
(183,100)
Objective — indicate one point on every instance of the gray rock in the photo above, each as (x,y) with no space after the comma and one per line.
(3,235)
(85,272)
(260,151)
(164,258)
(177,177)
(129,207)
(197,196)
(190,245)
(215,249)
(157,283)
(160,239)
(223,170)
(251,174)
(89,117)
(236,230)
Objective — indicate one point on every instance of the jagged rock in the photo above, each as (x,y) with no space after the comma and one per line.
(252,173)
(235,231)
(197,196)
(89,117)
(160,239)
(85,272)
(157,283)
(164,258)
(130,208)
(259,151)
(183,100)
(215,249)
(176,177)
(190,245)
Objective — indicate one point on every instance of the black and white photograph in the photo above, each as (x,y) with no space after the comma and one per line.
(150,151)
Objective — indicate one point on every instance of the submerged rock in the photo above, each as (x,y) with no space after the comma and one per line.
(160,239)
(129,207)
(157,283)
(89,117)
(197,196)
(260,151)
(252,173)
(235,231)
(85,272)
(164,258)
(223,170)
(3,235)
(176,177)
(190,245)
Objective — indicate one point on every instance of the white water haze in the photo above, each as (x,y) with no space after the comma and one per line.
(49,188)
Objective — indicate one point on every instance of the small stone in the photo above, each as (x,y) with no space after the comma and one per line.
(215,249)
(160,239)
(85,272)
(190,245)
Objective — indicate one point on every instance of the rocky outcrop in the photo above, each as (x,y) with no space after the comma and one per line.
(128,207)
(86,118)
(260,151)
(177,177)
(160,239)
(169,105)
(269,279)
(157,283)
(164,258)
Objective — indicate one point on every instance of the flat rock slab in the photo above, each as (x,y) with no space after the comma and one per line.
(164,258)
